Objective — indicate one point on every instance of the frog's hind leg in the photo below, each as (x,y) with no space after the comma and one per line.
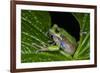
(41,48)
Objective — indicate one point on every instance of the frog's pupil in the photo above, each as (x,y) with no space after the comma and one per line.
(57,31)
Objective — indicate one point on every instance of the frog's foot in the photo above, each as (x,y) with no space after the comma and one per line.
(42,50)
(38,51)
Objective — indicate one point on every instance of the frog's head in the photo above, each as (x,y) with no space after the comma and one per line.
(55,31)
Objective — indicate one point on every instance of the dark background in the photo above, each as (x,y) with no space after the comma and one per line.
(67,21)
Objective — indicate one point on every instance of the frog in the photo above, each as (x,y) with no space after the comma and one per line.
(61,39)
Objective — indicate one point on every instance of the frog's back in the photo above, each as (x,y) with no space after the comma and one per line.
(67,46)
(69,37)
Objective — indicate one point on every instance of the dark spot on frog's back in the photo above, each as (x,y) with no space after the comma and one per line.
(67,21)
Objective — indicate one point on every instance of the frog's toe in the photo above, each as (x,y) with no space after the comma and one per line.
(37,51)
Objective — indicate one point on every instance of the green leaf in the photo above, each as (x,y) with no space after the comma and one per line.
(84,42)
(34,29)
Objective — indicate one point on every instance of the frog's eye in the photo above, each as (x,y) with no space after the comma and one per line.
(57,30)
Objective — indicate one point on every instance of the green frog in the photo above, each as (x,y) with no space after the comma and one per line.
(62,40)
